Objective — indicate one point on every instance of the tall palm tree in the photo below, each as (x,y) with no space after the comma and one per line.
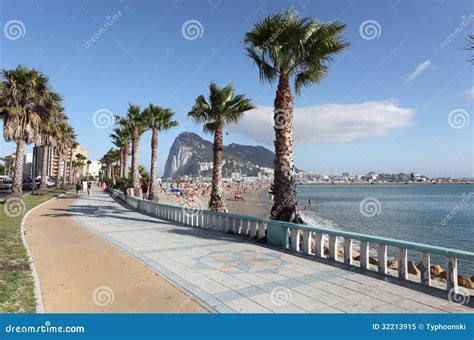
(89,162)
(112,156)
(157,119)
(288,47)
(23,95)
(72,146)
(80,158)
(121,139)
(221,108)
(61,148)
(49,133)
(68,140)
(134,123)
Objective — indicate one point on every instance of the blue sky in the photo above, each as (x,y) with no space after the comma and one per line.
(385,105)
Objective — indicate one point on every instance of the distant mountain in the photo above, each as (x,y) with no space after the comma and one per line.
(191,155)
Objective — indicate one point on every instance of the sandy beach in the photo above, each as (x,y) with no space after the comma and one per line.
(255,202)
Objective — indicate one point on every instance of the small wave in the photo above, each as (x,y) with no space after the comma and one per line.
(311,218)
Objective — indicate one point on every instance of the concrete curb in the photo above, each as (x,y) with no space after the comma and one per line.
(34,273)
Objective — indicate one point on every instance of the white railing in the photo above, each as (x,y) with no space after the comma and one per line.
(300,238)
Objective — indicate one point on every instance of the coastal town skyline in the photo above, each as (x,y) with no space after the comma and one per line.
(417,116)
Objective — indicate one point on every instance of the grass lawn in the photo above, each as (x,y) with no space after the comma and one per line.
(16,282)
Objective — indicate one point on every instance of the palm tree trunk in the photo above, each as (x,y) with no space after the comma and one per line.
(153,191)
(121,163)
(216,202)
(60,160)
(18,172)
(125,161)
(43,188)
(285,206)
(71,179)
(64,171)
(135,174)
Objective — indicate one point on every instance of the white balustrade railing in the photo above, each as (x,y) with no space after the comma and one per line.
(310,240)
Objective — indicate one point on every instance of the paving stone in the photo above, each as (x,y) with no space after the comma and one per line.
(237,274)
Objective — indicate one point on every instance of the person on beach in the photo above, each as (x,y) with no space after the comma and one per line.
(78,188)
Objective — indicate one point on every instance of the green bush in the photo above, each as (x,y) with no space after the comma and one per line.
(122,183)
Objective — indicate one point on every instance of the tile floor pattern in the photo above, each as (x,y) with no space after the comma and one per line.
(234,274)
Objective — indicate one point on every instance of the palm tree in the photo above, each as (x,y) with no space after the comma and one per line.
(68,140)
(80,158)
(72,146)
(112,156)
(49,133)
(61,149)
(221,108)
(157,119)
(121,139)
(288,47)
(23,95)
(89,162)
(134,123)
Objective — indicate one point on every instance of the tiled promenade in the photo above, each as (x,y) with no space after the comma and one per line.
(234,274)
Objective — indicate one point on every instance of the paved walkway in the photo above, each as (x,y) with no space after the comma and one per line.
(81,272)
(234,274)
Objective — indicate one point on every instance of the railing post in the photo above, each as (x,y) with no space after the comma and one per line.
(253,229)
(347,250)
(261,230)
(364,254)
(425,269)
(332,247)
(319,245)
(452,274)
(307,242)
(295,239)
(238,226)
(403,263)
(245,227)
(382,258)
(225,221)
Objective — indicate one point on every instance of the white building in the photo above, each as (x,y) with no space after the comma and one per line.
(94,168)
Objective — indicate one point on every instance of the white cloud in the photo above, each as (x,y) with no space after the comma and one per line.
(419,69)
(329,123)
(469,94)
